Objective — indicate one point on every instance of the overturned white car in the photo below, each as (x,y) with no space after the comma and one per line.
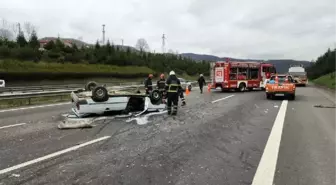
(98,100)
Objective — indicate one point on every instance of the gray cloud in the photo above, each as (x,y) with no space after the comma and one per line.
(299,29)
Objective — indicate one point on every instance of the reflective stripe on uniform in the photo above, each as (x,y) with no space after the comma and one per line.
(173,85)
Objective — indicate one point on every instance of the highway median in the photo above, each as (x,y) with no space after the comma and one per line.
(36,100)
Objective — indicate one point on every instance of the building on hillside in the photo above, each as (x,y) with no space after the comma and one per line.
(45,41)
(66,41)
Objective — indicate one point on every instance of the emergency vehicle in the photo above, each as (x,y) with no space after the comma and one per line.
(241,76)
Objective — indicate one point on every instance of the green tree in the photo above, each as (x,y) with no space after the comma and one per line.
(59,44)
(50,45)
(33,41)
(97,45)
(21,40)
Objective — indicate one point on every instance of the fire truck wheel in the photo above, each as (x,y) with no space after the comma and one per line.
(242,87)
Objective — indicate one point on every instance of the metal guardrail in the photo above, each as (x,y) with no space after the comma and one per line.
(14,89)
(58,92)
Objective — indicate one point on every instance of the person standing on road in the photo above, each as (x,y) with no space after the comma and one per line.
(173,88)
(182,98)
(201,82)
(149,84)
(161,83)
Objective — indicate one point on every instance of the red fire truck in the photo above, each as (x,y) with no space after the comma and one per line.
(241,75)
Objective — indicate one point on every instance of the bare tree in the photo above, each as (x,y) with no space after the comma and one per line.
(5,32)
(142,45)
(15,29)
(28,28)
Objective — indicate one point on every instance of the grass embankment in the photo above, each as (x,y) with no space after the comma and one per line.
(13,70)
(10,66)
(5,104)
(327,80)
(49,73)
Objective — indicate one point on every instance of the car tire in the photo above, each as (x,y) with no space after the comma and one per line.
(100,94)
(155,97)
(268,96)
(189,87)
(292,97)
(90,86)
(242,87)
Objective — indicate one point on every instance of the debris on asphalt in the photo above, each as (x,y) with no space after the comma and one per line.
(15,175)
(77,124)
(325,106)
(72,123)
(276,106)
(144,119)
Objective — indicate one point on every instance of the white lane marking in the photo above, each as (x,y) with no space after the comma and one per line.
(222,99)
(51,155)
(33,107)
(8,126)
(267,165)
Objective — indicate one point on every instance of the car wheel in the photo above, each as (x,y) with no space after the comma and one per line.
(90,86)
(292,97)
(189,87)
(100,94)
(155,97)
(268,96)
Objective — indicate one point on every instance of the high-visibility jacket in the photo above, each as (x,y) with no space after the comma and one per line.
(173,85)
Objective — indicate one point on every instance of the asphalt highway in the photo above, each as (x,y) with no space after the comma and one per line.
(220,138)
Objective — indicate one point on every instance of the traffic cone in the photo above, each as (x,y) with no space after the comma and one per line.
(209,87)
(187,91)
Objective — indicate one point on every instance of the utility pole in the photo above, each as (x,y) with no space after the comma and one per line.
(103,34)
(163,43)
(19,26)
(122,42)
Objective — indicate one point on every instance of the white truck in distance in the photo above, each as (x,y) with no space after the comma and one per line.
(299,74)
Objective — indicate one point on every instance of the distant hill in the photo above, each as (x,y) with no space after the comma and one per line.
(80,43)
(281,65)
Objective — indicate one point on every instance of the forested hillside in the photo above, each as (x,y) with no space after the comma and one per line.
(24,55)
(322,72)
(281,65)
(324,64)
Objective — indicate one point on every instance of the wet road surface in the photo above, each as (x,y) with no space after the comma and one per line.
(218,138)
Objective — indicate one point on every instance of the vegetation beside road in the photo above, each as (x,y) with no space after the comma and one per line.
(322,72)
(327,80)
(32,67)
(24,55)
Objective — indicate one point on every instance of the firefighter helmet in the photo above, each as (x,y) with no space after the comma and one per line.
(172,73)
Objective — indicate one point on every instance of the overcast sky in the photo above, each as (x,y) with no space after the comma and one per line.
(259,29)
